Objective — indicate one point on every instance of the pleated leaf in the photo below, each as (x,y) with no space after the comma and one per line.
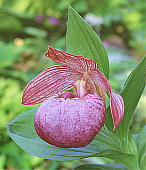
(141,144)
(82,40)
(101,167)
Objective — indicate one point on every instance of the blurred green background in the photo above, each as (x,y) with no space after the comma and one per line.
(27,27)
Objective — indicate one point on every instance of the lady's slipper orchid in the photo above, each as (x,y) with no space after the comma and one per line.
(67,119)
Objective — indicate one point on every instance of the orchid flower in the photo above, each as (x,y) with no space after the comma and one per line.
(71,119)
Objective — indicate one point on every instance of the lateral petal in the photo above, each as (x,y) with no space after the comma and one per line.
(79,63)
(116,101)
(52,80)
(117,108)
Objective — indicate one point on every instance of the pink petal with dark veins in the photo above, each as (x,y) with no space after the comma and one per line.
(117,108)
(116,101)
(53,80)
(70,122)
(82,64)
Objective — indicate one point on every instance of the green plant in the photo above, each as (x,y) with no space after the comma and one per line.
(119,145)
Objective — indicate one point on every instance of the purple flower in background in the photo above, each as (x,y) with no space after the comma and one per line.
(39,18)
(53,20)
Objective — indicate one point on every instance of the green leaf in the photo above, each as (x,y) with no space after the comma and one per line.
(101,167)
(127,159)
(106,143)
(82,40)
(22,131)
(141,145)
(131,94)
(122,151)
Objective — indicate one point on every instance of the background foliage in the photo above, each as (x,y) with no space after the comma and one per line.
(28,27)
